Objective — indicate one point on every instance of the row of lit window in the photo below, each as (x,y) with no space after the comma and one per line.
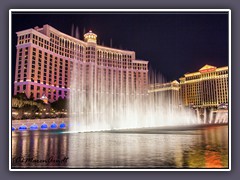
(114,56)
(203,77)
(37,89)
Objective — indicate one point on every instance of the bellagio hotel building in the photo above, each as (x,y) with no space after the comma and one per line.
(45,59)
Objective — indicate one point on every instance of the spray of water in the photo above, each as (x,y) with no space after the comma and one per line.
(211,116)
(72,30)
(98,102)
(221,117)
(77,33)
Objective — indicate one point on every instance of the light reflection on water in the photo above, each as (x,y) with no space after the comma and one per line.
(198,148)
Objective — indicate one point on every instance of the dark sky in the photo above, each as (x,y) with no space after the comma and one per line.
(173,43)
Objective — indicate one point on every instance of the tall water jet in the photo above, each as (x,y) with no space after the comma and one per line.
(72,30)
(211,116)
(205,115)
(77,33)
(198,116)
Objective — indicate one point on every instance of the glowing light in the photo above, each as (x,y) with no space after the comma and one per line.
(22,127)
(44,126)
(62,125)
(34,127)
(53,126)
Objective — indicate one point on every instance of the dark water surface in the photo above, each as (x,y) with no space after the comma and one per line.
(204,147)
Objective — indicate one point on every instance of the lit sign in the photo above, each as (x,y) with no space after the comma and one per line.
(207,70)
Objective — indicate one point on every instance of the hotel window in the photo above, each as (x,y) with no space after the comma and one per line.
(20,50)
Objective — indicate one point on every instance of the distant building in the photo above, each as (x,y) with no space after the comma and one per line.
(206,88)
(45,59)
(168,92)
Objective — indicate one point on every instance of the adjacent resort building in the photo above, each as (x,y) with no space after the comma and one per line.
(46,59)
(206,88)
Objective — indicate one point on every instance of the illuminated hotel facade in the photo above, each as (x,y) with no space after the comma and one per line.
(206,88)
(46,58)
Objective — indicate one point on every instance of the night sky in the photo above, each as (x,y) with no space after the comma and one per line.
(173,43)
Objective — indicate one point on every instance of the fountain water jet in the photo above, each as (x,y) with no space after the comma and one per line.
(99,104)
(211,116)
